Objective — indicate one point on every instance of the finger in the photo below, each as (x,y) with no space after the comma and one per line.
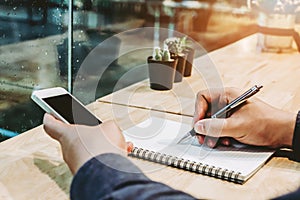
(201,108)
(211,141)
(129,147)
(218,127)
(225,141)
(111,127)
(117,138)
(206,140)
(208,102)
(53,127)
(200,139)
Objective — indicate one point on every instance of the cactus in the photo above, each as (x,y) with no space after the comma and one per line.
(166,55)
(184,42)
(174,45)
(160,55)
(157,55)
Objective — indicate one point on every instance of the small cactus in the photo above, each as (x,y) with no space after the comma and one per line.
(160,55)
(157,55)
(176,45)
(166,55)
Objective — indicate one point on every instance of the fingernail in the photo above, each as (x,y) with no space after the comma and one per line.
(199,128)
(226,142)
(210,143)
(200,139)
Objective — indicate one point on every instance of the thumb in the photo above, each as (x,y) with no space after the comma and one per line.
(211,127)
(54,128)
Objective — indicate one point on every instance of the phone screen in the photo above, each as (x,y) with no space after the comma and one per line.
(71,110)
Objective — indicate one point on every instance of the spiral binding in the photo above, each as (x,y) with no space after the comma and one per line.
(188,165)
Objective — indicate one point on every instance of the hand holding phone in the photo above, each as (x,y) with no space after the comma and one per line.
(64,106)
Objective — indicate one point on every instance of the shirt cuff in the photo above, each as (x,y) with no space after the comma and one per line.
(296,139)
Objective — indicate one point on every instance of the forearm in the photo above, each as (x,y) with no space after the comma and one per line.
(111,176)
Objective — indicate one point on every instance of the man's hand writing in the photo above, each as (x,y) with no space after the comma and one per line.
(253,123)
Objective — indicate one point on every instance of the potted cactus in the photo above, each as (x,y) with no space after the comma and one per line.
(175,46)
(161,69)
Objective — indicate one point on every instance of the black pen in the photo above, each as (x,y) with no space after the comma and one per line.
(236,102)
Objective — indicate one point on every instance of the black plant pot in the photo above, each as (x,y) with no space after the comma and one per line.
(161,73)
(189,61)
(180,67)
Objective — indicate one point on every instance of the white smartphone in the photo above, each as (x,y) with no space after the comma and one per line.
(64,106)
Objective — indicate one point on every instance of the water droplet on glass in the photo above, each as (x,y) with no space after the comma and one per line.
(14,8)
(46,53)
(22,67)
(77,61)
(38,67)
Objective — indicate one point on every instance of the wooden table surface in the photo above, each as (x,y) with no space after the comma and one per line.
(237,65)
(32,167)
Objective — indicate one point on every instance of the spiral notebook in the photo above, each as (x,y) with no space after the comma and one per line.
(155,139)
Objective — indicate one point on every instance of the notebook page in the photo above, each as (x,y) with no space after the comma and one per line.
(162,135)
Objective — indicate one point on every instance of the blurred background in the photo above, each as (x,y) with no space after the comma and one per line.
(44,42)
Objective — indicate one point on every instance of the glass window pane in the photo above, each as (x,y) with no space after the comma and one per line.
(32,34)
(98,28)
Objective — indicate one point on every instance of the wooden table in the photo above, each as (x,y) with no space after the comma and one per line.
(236,65)
(32,167)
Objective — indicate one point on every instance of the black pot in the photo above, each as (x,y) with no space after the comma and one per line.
(189,61)
(161,73)
(180,67)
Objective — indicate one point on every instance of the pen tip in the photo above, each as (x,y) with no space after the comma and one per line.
(258,86)
(179,141)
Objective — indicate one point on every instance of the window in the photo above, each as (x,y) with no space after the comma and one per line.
(30,32)
(47,43)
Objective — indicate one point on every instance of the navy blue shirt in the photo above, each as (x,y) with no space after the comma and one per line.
(112,176)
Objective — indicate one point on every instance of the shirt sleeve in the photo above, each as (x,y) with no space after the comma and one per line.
(296,140)
(112,176)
